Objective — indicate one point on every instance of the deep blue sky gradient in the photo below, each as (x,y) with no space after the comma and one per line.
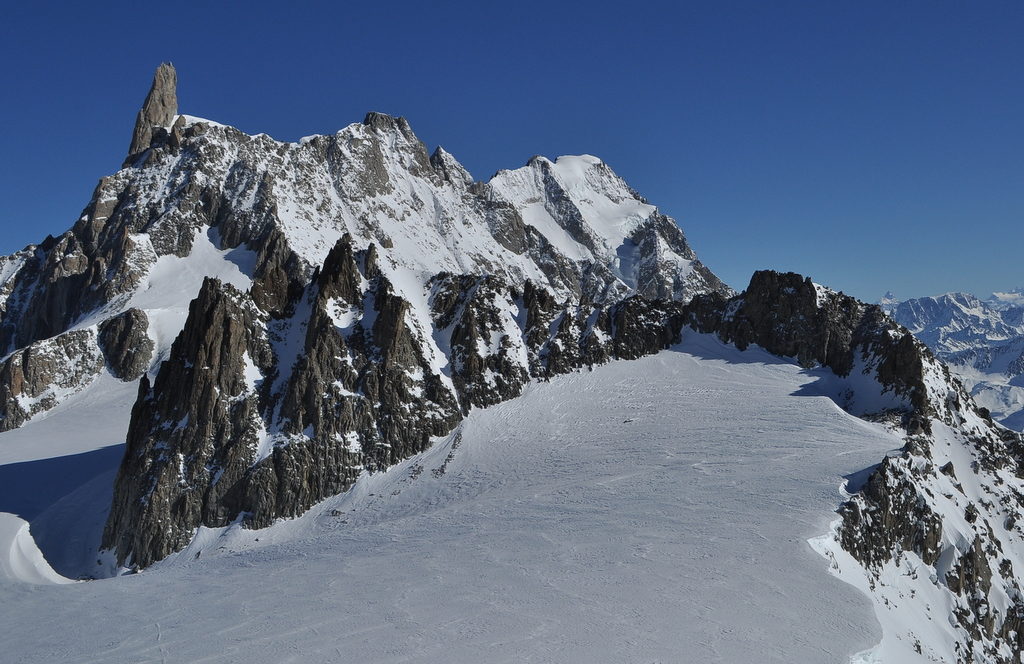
(871,145)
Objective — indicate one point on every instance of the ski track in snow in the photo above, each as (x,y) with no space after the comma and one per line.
(650,510)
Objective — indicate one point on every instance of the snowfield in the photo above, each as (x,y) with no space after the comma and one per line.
(650,510)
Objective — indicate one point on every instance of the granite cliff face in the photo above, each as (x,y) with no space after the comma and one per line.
(159,110)
(258,418)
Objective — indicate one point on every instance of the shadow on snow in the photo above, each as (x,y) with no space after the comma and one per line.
(66,500)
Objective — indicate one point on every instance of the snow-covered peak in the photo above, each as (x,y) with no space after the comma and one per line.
(450,167)
(889,302)
(571,224)
(577,202)
(956,321)
(194,188)
(983,342)
(1011,298)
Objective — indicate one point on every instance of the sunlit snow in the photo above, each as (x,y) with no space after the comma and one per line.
(650,510)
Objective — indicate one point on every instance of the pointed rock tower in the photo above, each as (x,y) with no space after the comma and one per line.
(158,110)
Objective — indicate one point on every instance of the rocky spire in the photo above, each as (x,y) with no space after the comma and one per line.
(158,110)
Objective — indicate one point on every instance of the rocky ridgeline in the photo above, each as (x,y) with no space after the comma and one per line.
(286,204)
(255,417)
(946,512)
(789,315)
(37,377)
(386,293)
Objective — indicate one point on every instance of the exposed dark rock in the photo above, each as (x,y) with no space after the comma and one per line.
(788,315)
(126,344)
(33,378)
(340,276)
(354,397)
(450,169)
(207,445)
(194,433)
(643,326)
(279,276)
(158,110)
(889,516)
(476,314)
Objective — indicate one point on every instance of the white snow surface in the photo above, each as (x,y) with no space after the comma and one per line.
(650,510)
(20,558)
(173,282)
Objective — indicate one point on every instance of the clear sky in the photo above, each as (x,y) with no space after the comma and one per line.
(870,145)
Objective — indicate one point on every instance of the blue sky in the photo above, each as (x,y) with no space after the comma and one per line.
(870,145)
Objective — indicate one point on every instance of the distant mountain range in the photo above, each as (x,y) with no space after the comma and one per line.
(981,340)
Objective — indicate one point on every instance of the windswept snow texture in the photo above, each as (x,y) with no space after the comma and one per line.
(651,510)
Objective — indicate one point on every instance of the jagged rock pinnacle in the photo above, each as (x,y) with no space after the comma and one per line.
(158,110)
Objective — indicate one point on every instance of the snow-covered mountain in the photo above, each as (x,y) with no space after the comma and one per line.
(982,340)
(1010,298)
(248,353)
(343,299)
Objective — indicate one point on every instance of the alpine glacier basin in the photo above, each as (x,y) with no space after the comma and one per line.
(649,510)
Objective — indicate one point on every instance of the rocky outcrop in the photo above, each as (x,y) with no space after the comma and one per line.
(258,417)
(944,515)
(194,432)
(126,345)
(158,110)
(942,518)
(281,206)
(37,377)
(487,356)
(888,518)
(789,315)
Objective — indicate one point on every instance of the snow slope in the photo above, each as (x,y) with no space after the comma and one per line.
(57,472)
(658,510)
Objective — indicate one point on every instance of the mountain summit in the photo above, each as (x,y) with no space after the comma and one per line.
(351,296)
(158,111)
